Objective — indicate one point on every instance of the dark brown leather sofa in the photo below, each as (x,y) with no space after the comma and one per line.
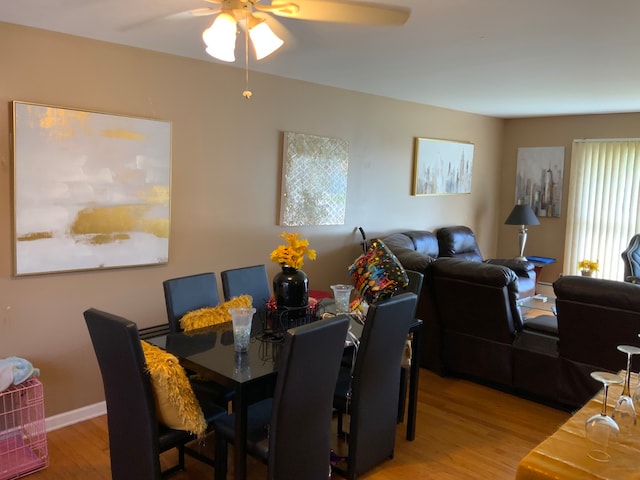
(483,334)
(594,317)
(473,326)
(417,249)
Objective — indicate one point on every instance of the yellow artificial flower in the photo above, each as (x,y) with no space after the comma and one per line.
(292,254)
(588,265)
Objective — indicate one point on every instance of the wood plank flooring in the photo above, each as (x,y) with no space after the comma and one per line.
(464,431)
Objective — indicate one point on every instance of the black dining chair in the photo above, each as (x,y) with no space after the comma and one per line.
(416,279)
(251,280)
(291,431)
(136,438)
(185,294)
(368,393)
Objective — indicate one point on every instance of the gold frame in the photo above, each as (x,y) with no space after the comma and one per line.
(91,190)
(442,167)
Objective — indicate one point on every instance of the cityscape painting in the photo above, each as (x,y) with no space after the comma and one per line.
(539,179)
(442,167)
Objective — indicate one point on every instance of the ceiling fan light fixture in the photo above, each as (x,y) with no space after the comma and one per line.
(264,41)
(220,38)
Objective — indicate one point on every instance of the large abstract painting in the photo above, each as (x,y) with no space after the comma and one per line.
(314,180)
(539,179)
(442,167)
(91,190)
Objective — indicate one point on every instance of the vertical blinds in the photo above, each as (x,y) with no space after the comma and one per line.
(603,204)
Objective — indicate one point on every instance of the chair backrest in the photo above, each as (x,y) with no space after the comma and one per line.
(376,381)
(131,417)
(247,281)
(631,258)
(416,280)
(300,427)
(184,294)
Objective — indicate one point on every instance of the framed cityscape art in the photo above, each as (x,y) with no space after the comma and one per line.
(91,190)
(539,174)
(442,167)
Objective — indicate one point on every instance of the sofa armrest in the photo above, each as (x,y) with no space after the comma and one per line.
(410,259)
(520,267)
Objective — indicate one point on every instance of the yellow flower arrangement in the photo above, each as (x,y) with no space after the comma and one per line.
(588,265)
(292,254)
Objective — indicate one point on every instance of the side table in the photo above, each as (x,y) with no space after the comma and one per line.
(538,263)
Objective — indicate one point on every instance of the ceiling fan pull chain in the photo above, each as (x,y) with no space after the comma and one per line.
(247,93)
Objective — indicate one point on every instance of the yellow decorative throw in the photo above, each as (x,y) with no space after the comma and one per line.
(205,317)
(176,404)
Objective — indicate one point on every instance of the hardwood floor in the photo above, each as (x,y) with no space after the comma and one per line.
(464,430)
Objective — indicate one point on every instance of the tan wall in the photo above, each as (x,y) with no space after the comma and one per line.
(547,239)
(225,184)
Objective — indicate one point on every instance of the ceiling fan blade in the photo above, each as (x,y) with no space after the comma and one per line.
(342,12)
(202,12)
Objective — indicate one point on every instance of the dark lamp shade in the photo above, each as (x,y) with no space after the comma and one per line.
(522,215)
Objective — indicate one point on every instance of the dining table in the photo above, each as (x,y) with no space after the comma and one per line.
(251,375)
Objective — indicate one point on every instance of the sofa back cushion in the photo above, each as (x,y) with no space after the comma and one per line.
(415,250)
(458,242)
(476,299)
(594,317)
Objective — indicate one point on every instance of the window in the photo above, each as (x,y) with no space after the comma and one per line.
(604,192)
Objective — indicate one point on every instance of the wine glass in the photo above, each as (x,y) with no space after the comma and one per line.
(624,413)
(600,428)
(636,393)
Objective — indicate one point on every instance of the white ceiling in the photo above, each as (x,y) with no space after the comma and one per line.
(504,58)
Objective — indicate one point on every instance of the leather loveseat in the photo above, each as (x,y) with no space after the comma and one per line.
(480,332)
(418,249)
(594,317)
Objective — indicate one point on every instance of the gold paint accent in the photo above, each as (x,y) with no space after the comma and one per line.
(28,237)
(158,195)
(122,133)
(60,123)
(104,238)
(111,224)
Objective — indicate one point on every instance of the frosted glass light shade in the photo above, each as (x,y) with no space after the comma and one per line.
(264,41)
(220,38)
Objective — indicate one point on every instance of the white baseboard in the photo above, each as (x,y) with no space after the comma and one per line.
(74,416)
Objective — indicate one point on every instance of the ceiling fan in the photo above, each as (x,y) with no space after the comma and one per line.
(251,15)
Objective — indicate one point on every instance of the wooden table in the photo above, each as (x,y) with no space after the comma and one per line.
(564,454)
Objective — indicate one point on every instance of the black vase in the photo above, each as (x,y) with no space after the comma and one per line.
(291,288)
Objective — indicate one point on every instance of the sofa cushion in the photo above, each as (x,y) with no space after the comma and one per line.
(521,267)
(543,324)
(424,242)
(399,241)
(403,246)
(459,242)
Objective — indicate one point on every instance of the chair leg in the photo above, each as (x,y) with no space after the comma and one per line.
(340,425)
(181,456)
(221,449)
(402,400)
(178,467)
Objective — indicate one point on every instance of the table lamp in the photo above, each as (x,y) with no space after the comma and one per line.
(522,215)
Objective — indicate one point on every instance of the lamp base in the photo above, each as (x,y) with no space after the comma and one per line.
(524,259)
(522,241)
